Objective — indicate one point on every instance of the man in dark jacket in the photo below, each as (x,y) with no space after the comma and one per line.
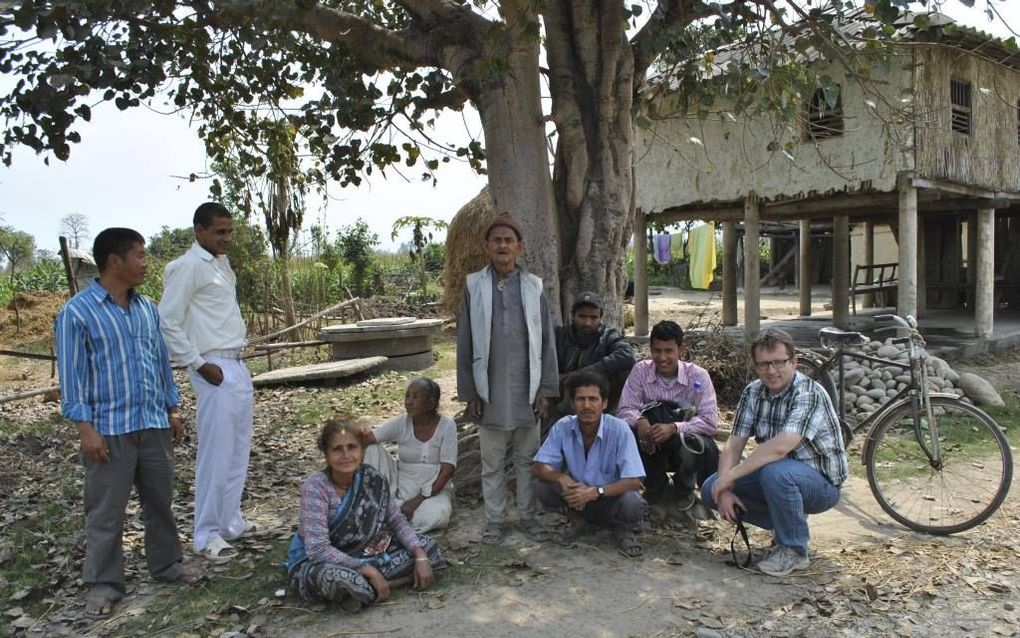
(589,344)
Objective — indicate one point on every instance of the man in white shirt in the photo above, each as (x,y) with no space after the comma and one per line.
(202,326)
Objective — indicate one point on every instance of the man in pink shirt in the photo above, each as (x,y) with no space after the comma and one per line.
(681,443)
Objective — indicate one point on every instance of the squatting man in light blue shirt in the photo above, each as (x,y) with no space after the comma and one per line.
(589,467)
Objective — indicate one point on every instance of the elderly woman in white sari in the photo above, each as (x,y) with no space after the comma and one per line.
(421,476)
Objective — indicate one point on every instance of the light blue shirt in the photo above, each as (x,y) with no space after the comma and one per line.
(613,456)
(113,365)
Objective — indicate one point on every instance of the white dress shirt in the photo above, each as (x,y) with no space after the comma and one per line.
(199,312)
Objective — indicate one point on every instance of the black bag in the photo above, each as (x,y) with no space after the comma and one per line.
(664,411)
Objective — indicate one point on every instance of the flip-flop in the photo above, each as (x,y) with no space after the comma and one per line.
(535,530)
(493,534)
(218,551)
(629,546)
(569,534)
(99,601)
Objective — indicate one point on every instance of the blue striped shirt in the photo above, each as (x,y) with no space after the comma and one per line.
(114,367)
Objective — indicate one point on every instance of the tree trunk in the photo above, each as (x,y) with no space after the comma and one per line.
(289,315)
(517,159)
(592,86)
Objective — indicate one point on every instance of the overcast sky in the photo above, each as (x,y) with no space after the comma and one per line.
(126,172)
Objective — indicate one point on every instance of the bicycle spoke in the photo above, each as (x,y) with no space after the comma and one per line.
(954,493)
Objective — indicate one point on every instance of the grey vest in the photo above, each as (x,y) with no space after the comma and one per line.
(479,285)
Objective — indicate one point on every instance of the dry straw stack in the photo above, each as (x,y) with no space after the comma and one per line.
(464,252)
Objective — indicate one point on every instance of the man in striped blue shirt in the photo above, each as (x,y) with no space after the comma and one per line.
(118,389)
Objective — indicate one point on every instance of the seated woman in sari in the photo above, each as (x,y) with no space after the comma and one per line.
(420,479)
(353,544)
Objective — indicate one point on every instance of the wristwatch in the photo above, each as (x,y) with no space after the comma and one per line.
(601,491)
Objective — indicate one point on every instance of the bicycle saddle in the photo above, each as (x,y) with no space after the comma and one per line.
(836,337)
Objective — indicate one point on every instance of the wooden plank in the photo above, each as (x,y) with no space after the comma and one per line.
(314,371)
(27,394)
(28,355)
(342,304)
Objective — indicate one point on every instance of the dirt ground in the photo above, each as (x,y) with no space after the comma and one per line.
(869,576)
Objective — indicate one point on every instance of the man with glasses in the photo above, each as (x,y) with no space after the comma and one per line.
(799,464)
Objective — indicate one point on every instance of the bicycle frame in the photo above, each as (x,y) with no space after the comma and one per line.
(915,394)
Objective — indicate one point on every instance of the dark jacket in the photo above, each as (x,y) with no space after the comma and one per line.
(607,353)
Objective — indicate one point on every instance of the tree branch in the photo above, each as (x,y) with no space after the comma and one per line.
(374,45)
(454,99)
(668,14)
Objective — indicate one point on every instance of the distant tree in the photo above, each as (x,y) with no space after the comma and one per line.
(278,192)
(356,243)
(170,243)
(421,237)
(17,248)
(76,227)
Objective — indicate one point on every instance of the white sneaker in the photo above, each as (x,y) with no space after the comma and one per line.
(782,560)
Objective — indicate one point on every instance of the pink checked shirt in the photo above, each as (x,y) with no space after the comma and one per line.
(692,385)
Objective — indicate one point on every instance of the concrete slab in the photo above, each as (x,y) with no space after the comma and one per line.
(314,371)
(357,332)
(410,362)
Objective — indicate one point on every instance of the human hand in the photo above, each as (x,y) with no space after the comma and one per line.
(411,505)
(730,506)
(578,496)
(211,373)
(541,407)
(377,581)
(662,432)
(567,482)
(92,443)
(177,426)
(474,408)
(423,576)
(644,429)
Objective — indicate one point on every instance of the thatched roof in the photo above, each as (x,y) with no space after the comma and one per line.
(464,253)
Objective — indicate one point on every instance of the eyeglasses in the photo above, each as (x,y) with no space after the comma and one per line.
(777,364)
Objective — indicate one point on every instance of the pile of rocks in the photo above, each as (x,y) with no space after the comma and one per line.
(870,385)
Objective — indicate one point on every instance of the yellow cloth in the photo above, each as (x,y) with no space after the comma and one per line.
(702,247)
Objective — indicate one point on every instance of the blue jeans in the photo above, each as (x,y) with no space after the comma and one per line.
(779,496)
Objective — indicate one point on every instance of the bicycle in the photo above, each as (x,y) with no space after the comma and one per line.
(935,463)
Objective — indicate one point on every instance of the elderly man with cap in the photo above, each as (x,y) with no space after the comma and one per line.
(506,371)
(589,344)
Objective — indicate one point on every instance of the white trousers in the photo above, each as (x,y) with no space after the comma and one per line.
(434,512)
(224,416)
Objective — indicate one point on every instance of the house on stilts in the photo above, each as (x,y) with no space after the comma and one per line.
(923,156)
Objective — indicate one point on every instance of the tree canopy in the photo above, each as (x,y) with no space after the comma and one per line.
(360,82)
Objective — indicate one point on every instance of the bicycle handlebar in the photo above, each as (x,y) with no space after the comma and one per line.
(907,322)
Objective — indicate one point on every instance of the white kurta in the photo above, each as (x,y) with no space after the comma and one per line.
(416,467)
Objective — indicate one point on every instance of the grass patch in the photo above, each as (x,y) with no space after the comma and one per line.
(229,601)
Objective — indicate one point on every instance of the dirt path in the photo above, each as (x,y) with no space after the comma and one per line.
(869,577)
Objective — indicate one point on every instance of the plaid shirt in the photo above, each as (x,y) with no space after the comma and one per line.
(804,409)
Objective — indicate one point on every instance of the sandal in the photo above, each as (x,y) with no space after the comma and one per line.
(569,534)
(535,530)
(99,601)
(493,534)
(218,551)
(629,546)
(185,574)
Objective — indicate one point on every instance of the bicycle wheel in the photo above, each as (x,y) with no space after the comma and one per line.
(961,491)
(813,370)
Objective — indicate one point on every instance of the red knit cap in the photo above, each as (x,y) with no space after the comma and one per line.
(505,219)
